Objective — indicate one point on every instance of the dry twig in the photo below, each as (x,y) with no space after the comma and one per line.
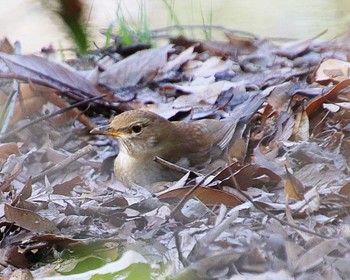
(63,164)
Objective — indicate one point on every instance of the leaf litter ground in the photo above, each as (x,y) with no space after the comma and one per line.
(278,211)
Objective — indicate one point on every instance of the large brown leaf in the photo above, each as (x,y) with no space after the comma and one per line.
(44,72)
(141,66)
(208,196)
(28,219)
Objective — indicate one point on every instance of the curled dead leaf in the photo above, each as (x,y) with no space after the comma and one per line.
(315,103)
(293,188)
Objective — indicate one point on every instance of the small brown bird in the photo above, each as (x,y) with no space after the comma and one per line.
(143,135)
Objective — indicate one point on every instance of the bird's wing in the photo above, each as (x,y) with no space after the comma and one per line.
(194,144)
(221,131)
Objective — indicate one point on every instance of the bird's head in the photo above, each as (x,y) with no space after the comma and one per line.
(137,131)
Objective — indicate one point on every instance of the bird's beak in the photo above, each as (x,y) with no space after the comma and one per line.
(105,130)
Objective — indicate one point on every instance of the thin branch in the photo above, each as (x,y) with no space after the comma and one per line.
(63,164)
(10,100)
(61,111)
(268,213)
(182,258)
(189,193)
(202,26)
(174,166)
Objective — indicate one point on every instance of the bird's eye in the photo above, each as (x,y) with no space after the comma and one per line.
(136,128)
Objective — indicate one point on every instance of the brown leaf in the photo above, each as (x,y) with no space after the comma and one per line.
(48,73)
(250,175)
(25,193)
(316,103)
(8,149)
(30,103)
(49,95)
(199,94)
(178,61)
(10,170)
(267,113)
(208,196)
(279,99)
(66,187)
(63,221)
(245,45)
(315,256)
(293,187)
(245,176)
(332,71)
(218,48)
(208,68)
(345,190)
(141,66)
(115,202)
(28,219)
(228,171)
(6,46)
(17,259)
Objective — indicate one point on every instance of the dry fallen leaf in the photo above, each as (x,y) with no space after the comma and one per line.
(301,127)
(179,60)
(28,220)
(30,103)
(293,188)
(345,190)
(332,71)
(208,68)
(200,94)
(48,73)
(208,196)
(315,256)
(6,46)
(7,149)
(141,66)
(50,95)
(315,103)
